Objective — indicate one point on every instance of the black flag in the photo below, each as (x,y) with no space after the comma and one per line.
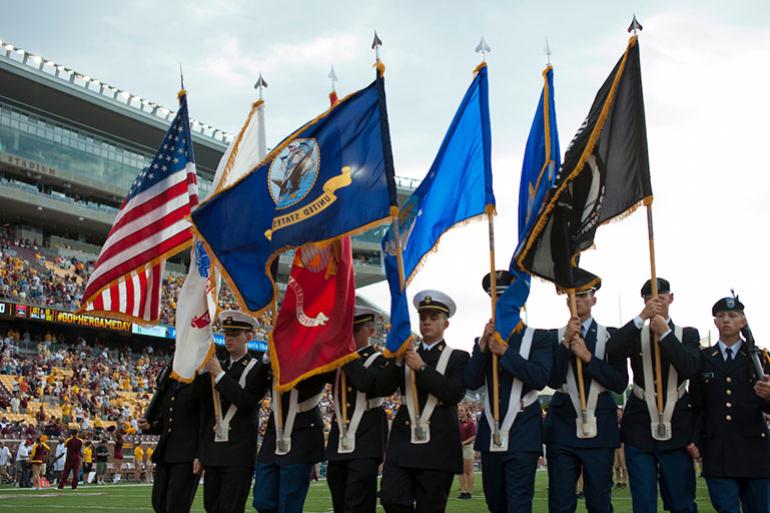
(605,174)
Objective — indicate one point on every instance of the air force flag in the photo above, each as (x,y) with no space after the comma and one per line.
(457,188)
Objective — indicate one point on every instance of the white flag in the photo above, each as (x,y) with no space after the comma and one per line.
(197,303)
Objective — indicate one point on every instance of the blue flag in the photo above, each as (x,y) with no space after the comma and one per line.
(332,177)
(541,162)
(457,188)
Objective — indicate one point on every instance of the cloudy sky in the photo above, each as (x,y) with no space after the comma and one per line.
(705,74)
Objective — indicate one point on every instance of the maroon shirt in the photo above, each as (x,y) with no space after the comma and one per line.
(467,429)
(73,446)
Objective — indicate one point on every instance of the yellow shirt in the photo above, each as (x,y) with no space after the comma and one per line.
(138,454)
(149,452)
(87,453)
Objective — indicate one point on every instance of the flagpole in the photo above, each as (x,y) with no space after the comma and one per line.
(214,393)
(655,337)
(634,28)
(493,295)
(579,366)
(343,376)
(376,44)
(483,49)
(402,280)
(276,392)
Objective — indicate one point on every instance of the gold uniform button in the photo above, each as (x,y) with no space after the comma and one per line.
(350,389)
(729,392)
(729,405)
(728,418)
(762,435)
(729,379)
(406,423)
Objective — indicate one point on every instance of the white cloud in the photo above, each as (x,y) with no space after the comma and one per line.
(227,61)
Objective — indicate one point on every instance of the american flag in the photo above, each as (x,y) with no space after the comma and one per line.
(150,227)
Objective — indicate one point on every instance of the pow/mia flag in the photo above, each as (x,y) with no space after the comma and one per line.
(605,174)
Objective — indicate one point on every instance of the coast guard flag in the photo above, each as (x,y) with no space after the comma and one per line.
(457,188)
(151,226)
(541,160)
(605,174)
(332,177)
(197,303)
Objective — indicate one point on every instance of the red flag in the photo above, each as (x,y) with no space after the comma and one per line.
(314,329)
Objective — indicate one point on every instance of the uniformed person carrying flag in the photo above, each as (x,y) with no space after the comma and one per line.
(509,457)
(359,430)
(656,454)
(230,438)
(575,441)
(424,450)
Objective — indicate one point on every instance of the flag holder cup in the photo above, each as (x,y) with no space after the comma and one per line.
(586,428)
(661,430)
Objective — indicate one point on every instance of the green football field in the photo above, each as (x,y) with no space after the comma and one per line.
(136,498)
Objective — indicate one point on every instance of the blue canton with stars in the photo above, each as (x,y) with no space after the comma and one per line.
(174,153)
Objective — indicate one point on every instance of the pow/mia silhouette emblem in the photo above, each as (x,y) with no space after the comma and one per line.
(293,172)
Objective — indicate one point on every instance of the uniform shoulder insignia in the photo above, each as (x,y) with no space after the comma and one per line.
(716,352)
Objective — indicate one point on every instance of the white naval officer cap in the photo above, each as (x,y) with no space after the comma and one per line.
(234,320)
(426,300)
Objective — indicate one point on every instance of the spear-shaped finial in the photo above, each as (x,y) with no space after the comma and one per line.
(635,26)
(483,48)
(333,99)
(333,78)
(181,76)
(376,44)
(260,84)
(547,50)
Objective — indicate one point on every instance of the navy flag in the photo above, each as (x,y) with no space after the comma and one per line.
(458,187)
(605,174)
(332,177)
(541,160)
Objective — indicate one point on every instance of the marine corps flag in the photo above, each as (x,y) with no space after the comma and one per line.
(314,329)
(605,174)
(332,177)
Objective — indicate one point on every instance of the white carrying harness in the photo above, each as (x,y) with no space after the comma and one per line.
(674,392)
(283,435)
(587,429)
(420,426)
(347,440)
(516,403)
(222,425)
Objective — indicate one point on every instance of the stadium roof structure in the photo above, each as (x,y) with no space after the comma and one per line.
(57,91)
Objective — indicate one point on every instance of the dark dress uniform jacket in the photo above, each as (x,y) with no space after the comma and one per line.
(526,434)
(372,431)
(684,355)
(307,436)
(559,426)
(444,451)
(732,433)
(241,448)
(181,423)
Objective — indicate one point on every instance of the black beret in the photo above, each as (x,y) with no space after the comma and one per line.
(727,304)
